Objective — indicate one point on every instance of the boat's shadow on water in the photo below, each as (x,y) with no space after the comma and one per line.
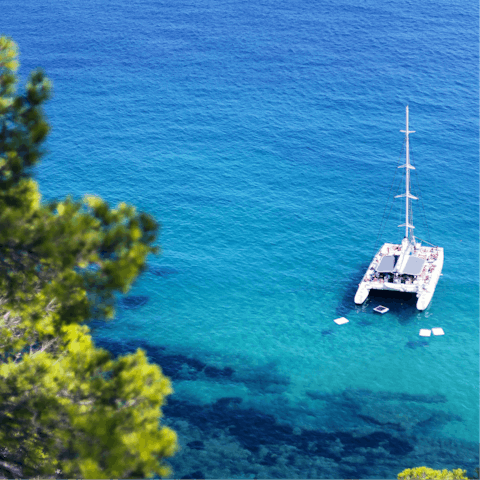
(401,305)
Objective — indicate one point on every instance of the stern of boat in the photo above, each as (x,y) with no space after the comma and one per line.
(362,294)
(424,300)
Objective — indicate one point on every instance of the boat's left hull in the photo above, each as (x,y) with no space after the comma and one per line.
(362,294)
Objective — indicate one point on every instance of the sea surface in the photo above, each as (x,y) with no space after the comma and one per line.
(264,136)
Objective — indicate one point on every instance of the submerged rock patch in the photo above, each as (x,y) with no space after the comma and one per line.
(133,301)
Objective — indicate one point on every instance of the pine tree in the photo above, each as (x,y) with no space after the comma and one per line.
(67,409)
(425,473)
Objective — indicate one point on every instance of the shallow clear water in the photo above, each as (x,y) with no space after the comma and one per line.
(264,136)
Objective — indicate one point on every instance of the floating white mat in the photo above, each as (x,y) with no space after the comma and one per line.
(341,320)
(425,333)
(381,309)
(438,331)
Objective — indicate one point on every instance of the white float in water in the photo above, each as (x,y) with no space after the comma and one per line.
(425,332)
(381,309)
(341,320)
(438,331)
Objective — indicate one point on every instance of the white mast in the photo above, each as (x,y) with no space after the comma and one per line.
(408,227)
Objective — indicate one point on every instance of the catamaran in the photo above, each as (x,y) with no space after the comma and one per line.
(408,266)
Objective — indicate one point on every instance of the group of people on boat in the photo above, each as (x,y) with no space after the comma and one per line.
(430,254)
(426,271)
(426,253)
(388,277)
(394,250)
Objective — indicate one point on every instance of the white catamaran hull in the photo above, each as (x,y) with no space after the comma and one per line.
(425,297)
(424,285)
(362,294)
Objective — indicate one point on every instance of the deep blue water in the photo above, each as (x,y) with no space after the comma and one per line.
(265,136)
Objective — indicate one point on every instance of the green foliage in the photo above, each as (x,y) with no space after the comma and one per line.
(424,473)
(82,412)
(67,407)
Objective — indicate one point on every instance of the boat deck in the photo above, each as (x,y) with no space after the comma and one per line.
(422,284)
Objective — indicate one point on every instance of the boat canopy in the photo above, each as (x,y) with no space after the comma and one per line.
(387,264)
(414,266)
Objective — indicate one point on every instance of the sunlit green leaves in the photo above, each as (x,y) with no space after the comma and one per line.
(67,407)
(424,473)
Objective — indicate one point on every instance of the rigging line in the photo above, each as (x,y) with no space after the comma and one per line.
(394,187)
(384,222)
(423,210)
(415,187)
(421,239)
(420,196)
(384,225)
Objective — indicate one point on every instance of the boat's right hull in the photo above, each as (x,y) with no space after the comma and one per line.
(424,300)
(425,297)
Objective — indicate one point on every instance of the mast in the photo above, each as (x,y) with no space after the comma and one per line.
(408,227)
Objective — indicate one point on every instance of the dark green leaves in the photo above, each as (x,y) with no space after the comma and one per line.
(68,408)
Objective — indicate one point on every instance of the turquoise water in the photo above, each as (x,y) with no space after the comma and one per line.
(264,136)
